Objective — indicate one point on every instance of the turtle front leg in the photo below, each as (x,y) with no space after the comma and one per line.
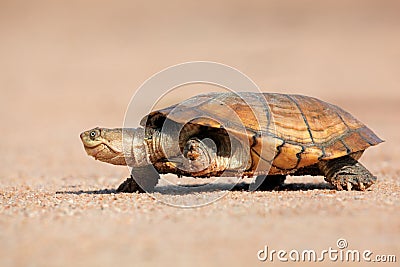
(346,173)
(129,186)
(199,154)
(143,179)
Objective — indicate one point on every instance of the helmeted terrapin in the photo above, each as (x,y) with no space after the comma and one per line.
(296,135)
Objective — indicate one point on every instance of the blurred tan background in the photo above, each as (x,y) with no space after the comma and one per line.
(66,66)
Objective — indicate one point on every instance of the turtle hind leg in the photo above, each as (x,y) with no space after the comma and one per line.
(268,182)
(143,179)
(346,173)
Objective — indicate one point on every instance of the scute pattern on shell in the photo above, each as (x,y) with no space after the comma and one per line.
(303,130)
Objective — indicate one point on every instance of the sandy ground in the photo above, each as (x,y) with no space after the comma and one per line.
(69,66)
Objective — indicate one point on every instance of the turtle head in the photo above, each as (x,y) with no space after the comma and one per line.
(119,146)
(104,144)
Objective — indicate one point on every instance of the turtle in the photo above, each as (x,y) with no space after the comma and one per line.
(274,135)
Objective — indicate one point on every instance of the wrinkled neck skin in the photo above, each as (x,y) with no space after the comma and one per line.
(147,147)
(134,147)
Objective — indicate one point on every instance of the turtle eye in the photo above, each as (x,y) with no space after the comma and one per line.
(92,135)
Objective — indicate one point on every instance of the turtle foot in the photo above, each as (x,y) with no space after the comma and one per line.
(129,186)
(143,179)
(346,173)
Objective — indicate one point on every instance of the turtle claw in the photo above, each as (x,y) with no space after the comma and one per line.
(339,187)
(351,182)
(349,186)
(361,186)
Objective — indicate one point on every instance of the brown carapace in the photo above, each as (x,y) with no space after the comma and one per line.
(252,134)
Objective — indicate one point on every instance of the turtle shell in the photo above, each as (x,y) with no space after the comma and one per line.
(300,130)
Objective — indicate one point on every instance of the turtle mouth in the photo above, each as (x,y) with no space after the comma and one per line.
(94,150)
(103,152)
(93,145)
